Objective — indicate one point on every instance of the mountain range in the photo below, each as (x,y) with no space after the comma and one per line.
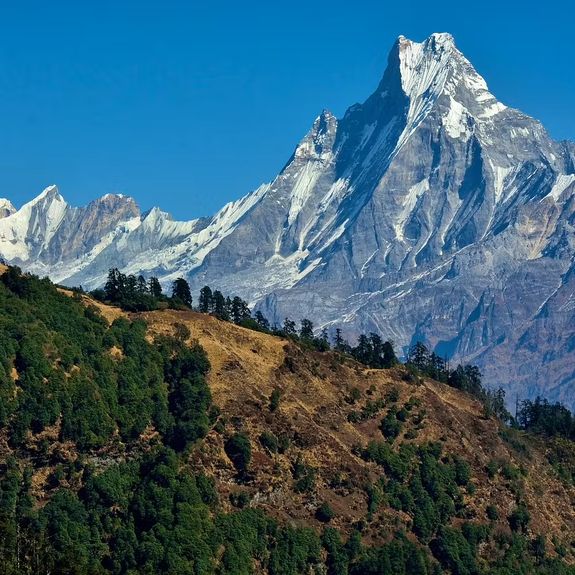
(429,212)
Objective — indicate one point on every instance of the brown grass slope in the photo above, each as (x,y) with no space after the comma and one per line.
(316,390)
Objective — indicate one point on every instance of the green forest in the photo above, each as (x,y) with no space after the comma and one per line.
(122,499)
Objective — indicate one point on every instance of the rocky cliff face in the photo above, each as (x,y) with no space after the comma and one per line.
(431,211)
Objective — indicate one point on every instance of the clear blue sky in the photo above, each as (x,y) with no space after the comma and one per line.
(188,105)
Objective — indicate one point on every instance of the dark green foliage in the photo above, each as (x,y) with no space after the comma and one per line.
(238,448)
(337,555)
(454,552)
(492,513)
(421,484)
(239,310)
(324,513)
(400,557)
(306,330)
(269,441)
(304,476)
(519,518)
(289,328)
(354,395)
(295,550)
(492,468)
(154,288)
(181,292)
(205,304)
(551,419)
(240,500)
(130,292)
(261,321)
(275,399)
(221,306)
(392,396)
(372,351)
(390,425)
(462,471)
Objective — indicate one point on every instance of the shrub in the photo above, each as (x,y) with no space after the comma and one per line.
(269,441)
(492,468)
(324,513)
(275,399)
(492,513)
(519,518)
(390,426)
(238,448)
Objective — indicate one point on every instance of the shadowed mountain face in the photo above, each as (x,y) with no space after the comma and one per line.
(431,211)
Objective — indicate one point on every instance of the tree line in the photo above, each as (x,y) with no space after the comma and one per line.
(136,293)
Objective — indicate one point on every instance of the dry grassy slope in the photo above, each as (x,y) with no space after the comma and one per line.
(247,366)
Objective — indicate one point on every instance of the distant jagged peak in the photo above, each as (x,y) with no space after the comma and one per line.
(318,142)
(435,67)
(6,208)
(50,192)
(115,201)
(156,214)
(49,200)
(424,66)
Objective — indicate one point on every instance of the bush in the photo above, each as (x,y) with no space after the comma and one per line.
(519,518)
(324,513)
(275,400)
(269,441)
(392,396)
(390,426)
(354,395)
(492,468)
(240,500)
(238,448)
(492,513)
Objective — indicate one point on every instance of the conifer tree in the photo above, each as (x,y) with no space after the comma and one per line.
(181,292)
(306,330)
(205,303)
(154,287)
(262,321)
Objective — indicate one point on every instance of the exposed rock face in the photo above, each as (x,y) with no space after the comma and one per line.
(6,208)
(431,211)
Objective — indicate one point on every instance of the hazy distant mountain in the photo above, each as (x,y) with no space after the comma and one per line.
(431,211)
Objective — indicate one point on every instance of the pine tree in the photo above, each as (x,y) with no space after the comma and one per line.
(220,308)
(338,342)
(389,357)
(262,321)
(306,330)
(205,303)
(239,310)
(362,352)
(142,286)
(181,292)
(419,356)
(154,287)
(115,285)
(289,327)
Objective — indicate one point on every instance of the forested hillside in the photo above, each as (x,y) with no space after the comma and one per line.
(171,441)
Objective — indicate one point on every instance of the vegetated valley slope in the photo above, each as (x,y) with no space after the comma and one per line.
(115,457)
(430,211)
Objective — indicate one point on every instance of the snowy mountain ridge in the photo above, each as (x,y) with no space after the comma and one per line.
(430,211)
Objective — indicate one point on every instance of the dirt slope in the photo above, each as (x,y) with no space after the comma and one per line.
(316,400)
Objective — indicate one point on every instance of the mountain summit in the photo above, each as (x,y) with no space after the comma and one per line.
(430,211)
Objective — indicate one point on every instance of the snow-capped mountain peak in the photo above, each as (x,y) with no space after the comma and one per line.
(6,208)
(421,214)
